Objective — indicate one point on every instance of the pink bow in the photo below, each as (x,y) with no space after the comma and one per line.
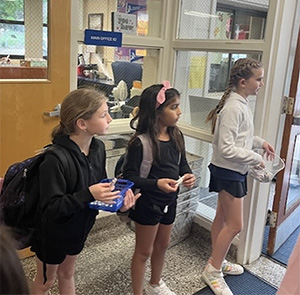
(161,97)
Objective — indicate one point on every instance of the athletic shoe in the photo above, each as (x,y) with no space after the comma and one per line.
(214,279)
(230,268)
(161,289)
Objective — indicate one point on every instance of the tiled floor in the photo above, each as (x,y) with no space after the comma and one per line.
(104,265)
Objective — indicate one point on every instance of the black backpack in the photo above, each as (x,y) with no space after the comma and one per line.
(19,198)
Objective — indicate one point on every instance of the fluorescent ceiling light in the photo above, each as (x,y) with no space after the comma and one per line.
(199,14)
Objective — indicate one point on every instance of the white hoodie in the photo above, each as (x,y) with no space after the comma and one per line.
(233,139)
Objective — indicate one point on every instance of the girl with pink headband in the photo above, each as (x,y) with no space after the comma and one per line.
(155,210)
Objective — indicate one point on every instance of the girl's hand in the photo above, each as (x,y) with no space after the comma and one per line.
(189,180)
(269,149)
(129,200)
(167,185)
(104,192)
(262,164)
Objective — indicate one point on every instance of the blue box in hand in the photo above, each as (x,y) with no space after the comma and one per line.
(121,185)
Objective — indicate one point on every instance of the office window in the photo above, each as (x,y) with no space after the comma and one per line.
(202,78)
(131,69)
(140,17)
(23,39)
(223,21)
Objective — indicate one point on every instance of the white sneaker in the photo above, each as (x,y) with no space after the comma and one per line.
(161,289)
(230,268)
(214,279)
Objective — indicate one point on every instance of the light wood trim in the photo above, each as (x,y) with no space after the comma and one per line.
(23,73)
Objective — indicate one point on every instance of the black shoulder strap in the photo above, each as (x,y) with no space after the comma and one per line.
(68,163)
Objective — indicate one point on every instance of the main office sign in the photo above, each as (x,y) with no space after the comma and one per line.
(102,38)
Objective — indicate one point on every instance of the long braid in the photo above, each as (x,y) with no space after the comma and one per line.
(242,69)
(214,112)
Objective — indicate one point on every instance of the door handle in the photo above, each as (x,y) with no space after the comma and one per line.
(54,113)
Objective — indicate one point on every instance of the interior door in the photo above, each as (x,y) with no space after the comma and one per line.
(23,127)
(287,193)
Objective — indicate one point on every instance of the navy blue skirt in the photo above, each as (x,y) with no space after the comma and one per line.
(230,181)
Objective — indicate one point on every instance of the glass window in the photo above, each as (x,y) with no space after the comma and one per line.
(224,20)
(121,73)
(23,39)
(134,17)
(12,11)
(202,78)
(12,39)
(294,183)
(207,200)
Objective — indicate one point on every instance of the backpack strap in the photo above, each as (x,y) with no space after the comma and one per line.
(147,155)
(179,159)
(69,167)
(145,168)
(68,164)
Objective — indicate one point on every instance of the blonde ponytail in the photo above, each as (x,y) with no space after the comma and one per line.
(242,69)
(212,116)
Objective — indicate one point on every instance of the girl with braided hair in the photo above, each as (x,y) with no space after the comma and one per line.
(233,141)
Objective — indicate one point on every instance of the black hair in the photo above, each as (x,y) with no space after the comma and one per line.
(147,118)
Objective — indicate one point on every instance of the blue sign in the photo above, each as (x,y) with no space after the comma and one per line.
(102,38)
(132,8)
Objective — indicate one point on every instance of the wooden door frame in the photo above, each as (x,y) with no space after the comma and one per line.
(288,139)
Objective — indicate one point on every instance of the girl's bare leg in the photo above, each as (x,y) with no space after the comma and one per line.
(218,224)
(65,273)
(38,287)
(161,244)
(232,210)
(144,236)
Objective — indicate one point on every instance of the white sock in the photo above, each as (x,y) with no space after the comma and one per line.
(213,270)
(154,285)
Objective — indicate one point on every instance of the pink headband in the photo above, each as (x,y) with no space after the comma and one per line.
(161,97)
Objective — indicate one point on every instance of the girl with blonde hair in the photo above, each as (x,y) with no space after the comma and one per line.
(233,141)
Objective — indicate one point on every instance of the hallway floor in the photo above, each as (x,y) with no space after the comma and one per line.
(103,267)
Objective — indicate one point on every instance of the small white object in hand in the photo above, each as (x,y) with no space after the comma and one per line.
(113,182)
(180,180)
